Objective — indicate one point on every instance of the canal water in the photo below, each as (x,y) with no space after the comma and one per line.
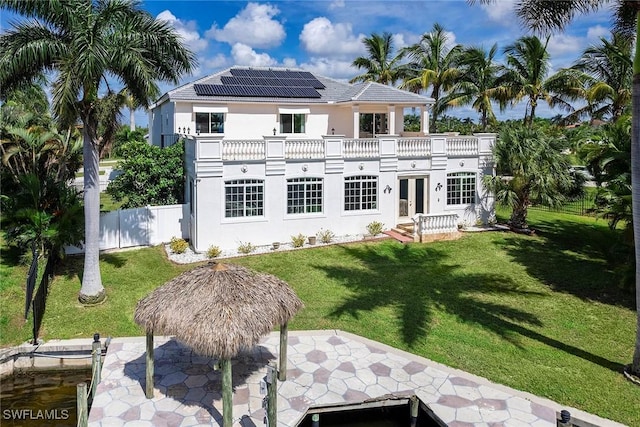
(390,416)
(41,399)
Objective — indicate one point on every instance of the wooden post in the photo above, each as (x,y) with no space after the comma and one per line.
(149,388)
(96,354)
(284,332)
(272,396)
(82,405)
(414,404)
(227,393)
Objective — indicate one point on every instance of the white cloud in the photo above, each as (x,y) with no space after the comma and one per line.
(499,11)
(336,4)
(245,55)
(595,33)
(290,63)
(321,37)
(218,61)
(563,45)
(254,26)
(341,70)
(187,30)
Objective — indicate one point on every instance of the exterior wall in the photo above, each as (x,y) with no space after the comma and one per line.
(211,161)
(253,121)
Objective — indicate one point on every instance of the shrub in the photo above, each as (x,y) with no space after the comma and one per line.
(213,251)
(298,241)
(325,236)
(246,248)
(178,246)
(374,228)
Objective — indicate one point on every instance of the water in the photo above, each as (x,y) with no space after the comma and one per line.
(390,416)
(41,399)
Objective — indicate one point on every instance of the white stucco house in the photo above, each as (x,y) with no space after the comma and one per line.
(273,152)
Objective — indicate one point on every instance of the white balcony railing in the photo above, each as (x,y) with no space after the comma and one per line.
(434,223)
(304,149)
(414,147)
(347,148)
(462,146)
(250,149)
(358,148)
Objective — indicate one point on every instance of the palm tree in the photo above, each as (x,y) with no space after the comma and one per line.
(525,75)
(433,64)
(609,69)
(477,84)
(379,65)
(555,15)
(89,44)
(531,170)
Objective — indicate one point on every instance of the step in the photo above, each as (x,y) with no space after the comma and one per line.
(401,237)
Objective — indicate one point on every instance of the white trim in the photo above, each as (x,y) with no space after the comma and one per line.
(283,110)
(210,109)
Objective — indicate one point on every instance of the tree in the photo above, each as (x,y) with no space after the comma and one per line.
(40,210)
(608,70)
(90,44)
(379,65)
(555,15)
(477,84)
(531,169)
(525,75)
(150,175)
(433,64)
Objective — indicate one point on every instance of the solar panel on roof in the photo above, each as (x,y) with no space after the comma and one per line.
(255,91)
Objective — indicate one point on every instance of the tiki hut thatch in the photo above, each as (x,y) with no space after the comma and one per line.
(217,309)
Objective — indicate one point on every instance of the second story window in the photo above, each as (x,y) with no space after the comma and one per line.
(292,123)
(209,122)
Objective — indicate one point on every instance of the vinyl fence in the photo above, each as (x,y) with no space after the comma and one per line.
(148,226)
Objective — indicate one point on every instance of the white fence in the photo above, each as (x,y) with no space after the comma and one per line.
(148,226)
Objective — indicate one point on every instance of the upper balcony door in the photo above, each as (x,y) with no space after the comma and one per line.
(413,197)
(373,124)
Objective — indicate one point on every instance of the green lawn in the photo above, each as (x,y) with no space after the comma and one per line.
(541,314)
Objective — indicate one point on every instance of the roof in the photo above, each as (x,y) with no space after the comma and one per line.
(334,91)
(218,309)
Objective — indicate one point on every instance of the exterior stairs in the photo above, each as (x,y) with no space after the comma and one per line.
(401,232)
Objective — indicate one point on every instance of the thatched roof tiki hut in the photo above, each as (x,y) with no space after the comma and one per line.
(218,310)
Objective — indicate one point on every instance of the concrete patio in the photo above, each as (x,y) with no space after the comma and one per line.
(324,368)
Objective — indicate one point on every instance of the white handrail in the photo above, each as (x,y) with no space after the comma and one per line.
(434,223)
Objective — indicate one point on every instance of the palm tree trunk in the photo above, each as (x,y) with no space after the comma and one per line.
(635,185)
(132,119)
(92,291)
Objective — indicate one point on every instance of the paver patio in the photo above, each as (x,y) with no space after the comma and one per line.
(324,368)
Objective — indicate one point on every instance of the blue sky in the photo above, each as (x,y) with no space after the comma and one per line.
(325,36)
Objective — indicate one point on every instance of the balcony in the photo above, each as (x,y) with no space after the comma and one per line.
(338,147)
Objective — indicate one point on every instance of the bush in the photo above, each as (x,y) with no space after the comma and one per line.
(213,251)
(374,228)
(178,246)
(246,248)
(298,241)
(325,236)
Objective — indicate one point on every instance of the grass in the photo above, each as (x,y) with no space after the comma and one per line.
(540,314)
(107,203)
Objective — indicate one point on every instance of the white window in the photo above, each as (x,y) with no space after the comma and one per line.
(461,188)
(361,193)
(209,123)
(304,195)
(244,197)
(292,123)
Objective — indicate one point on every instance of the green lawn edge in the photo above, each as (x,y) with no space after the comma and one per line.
(542,313)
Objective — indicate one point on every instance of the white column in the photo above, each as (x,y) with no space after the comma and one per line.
(425,120)
(356,121)
(391,119)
